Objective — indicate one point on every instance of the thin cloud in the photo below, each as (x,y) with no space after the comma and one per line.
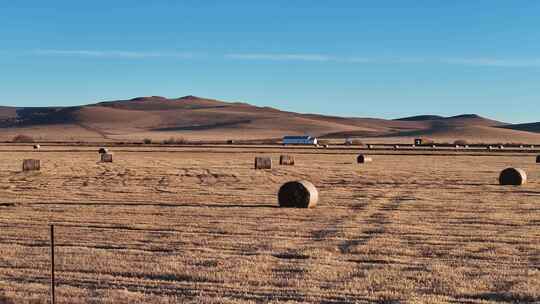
(480,62)
(281,57)
(494,62)
(475,62)
(114,54)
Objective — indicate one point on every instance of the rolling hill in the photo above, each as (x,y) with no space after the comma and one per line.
(197,118)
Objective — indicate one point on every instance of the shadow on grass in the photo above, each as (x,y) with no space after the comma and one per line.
(504,297)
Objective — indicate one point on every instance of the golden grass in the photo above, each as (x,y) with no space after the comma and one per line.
(203,227)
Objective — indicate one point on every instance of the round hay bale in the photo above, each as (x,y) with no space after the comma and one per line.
(103,150)
(370,147)
(106,157)
(298,194)
(37,147)
(513,177)
(286,160)
(433,146)
(396,147)
(501,147)
(31,165)
(326,146)
(363,159)
(263,163)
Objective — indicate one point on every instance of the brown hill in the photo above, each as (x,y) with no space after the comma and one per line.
(529,127)
(196,118)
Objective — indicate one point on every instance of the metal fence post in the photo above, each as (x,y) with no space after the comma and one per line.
(53,296)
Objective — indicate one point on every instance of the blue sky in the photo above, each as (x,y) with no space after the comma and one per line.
(354,58)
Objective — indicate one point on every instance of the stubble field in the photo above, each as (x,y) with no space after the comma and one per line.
(189,226)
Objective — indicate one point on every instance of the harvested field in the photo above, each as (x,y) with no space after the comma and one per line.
(201,227)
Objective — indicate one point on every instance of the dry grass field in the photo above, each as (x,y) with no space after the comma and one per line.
(204,227)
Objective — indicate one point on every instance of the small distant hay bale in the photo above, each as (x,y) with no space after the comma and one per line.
(433,146)
(501,147)
(513,177)
(490,147)
(103,150)
(466,146)
(370,147)
(298,194)
(230,142)
(263,163)
(458,146)
(326,146)
(106,157)
(538,159)
(361,159)
(396,147)
(31,165)
(37,147)
(286,160)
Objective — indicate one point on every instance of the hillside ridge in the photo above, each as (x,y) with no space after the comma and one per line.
(202,118)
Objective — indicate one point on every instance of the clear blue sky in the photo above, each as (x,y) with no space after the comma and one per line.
(354,58)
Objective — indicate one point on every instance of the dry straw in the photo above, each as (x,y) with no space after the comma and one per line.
(31,165)
(513,177)
(286,160)
(263,163)
(298,194)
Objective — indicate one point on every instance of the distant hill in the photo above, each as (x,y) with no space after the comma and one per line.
(197,118)
(421,118)
(528,127)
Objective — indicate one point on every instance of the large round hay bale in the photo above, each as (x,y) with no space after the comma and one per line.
(31,165)
(286,160)
(363,159)
(263,163)
(103,150)
(106,157)
(513,177)
(298,194)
